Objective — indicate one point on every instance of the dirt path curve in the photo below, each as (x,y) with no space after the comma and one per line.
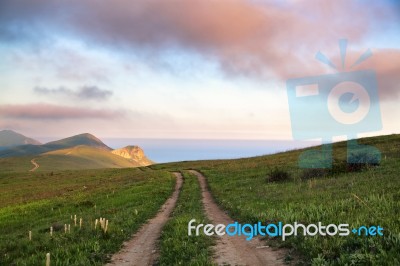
(235,250)
(35,165)
(141,249)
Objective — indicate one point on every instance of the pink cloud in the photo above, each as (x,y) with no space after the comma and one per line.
(258,37)
(245,37)
(263,39)
(387,65)
(49,111)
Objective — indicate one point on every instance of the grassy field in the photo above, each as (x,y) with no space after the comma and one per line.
(36,201)
(128,197)
(369,197)
(15,164)
(176,247)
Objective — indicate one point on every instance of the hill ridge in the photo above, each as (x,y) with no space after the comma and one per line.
(80,139)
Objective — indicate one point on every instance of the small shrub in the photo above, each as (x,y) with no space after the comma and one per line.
(57,226)
(338,167)
(278,175)
(360,160)
(314,173)
(85,203)
(355,163)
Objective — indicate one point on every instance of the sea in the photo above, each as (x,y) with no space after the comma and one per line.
(175,150)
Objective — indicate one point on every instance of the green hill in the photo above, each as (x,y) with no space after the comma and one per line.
(81,139)
(82,157)
(83,151)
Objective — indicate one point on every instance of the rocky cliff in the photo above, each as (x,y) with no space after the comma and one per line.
(134,153)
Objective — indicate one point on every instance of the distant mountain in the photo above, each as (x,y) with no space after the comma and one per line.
(9,138)
(82,157)
(22,150)
(81,139)
(83,151)
(133,153)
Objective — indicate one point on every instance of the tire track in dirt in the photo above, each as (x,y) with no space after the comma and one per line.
(35,165)
(235,250)
(141,250)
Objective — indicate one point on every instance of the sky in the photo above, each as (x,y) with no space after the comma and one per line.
(183,69)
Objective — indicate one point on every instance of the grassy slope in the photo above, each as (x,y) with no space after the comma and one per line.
(15,164)
(35,201)
(80,157)
(370,197)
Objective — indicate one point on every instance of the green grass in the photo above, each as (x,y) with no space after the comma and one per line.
(128,197)
(367,198)
(176,247)
(36,201)
(15,164)
(370,197)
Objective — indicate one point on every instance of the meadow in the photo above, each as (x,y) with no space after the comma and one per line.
(40,200)
(242,187)
(367,197)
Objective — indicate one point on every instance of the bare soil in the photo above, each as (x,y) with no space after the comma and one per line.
(235,250)
(35,165)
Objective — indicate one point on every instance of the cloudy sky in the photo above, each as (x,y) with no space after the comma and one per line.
(179,68)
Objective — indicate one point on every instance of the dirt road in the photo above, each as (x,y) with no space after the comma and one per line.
(141,249)
(235,250)
(35,165)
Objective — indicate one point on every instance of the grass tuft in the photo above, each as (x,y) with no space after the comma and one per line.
(278,175)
